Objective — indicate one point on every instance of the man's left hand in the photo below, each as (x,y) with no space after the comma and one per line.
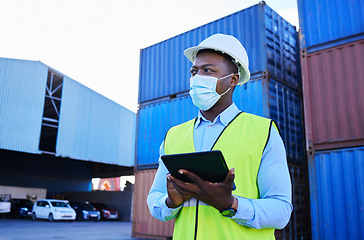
(218,195)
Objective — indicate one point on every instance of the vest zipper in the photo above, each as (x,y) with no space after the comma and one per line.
(196,222)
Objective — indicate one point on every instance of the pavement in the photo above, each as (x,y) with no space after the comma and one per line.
(26,229)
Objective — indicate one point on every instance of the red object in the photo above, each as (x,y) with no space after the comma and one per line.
(144,225)
(105,211)
(333,88)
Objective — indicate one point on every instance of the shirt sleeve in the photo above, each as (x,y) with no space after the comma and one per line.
(273,208)
(157,196)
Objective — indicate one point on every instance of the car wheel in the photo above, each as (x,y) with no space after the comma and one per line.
(50,217)
(34,216)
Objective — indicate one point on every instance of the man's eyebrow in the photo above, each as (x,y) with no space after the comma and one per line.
(204,65)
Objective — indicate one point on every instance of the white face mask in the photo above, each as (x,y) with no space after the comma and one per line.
(203,91)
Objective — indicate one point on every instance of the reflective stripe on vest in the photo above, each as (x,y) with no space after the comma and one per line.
(242,143)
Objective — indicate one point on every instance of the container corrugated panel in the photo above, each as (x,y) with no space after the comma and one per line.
(337,194)
(299,226)
(94,128)
(22,92)
(153,123)
(143,224)
(328,23)
(270,42)
(262,96)
(333,88)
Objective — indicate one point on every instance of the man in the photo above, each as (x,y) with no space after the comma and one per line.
(251,146)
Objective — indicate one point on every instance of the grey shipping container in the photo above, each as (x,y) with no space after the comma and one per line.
(269,39)
(337,193)
(333,86)
(263,96)
(328,23)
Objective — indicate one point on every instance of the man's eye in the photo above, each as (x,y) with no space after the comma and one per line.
(193,72)
(209,70)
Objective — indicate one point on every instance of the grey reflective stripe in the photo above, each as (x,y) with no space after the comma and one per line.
(192,203)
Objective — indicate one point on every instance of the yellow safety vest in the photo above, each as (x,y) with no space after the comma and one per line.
(242,143)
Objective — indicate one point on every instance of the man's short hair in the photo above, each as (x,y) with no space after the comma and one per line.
(229,61)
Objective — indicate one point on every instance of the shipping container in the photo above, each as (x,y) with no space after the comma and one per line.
(262,95)
(270,42)
(143,224)
(337,193)
(333,86)
(329,23)
(299,226)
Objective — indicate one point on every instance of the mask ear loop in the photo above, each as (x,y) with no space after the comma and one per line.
(225,92)
(229,87)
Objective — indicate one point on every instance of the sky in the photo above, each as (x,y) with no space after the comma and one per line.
(98,42)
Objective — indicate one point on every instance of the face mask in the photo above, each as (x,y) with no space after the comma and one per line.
(203,91)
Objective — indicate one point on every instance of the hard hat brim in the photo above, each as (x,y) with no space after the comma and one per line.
(191,53)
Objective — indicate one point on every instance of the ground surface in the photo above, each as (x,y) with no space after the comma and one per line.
(14,229)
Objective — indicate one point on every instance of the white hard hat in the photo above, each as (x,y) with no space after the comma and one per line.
(226,44)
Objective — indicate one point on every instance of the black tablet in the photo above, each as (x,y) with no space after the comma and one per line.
(210,166)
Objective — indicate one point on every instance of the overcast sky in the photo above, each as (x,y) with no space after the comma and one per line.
(97,43)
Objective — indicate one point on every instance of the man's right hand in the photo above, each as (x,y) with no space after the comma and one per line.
(175,199)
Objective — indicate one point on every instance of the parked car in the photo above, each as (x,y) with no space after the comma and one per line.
(21,207)
(53,209)
(106,212)
(85,211)
(5,204)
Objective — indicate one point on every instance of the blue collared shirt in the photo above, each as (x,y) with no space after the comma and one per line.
(272,209)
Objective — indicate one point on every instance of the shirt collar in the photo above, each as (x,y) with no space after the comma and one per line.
(224,117)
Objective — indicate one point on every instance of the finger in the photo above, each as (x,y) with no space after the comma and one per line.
(169,178)
(177,182)
(193,177)
(180,188)
(230,176)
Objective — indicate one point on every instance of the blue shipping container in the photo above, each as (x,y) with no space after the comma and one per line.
(329,23)
(270,42)
(337,194)
(262,96)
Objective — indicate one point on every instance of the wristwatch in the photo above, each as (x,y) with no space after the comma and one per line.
(230,211)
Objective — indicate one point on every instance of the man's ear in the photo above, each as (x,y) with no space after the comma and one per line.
(234,80)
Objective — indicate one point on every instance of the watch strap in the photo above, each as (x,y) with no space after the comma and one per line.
(230,211)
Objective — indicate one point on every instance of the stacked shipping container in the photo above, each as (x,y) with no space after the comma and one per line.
(332,56)
(273,92)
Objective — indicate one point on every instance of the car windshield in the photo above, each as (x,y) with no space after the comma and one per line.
(89,207)
(84,206)
(101,205)
(25,202)
(58,204)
